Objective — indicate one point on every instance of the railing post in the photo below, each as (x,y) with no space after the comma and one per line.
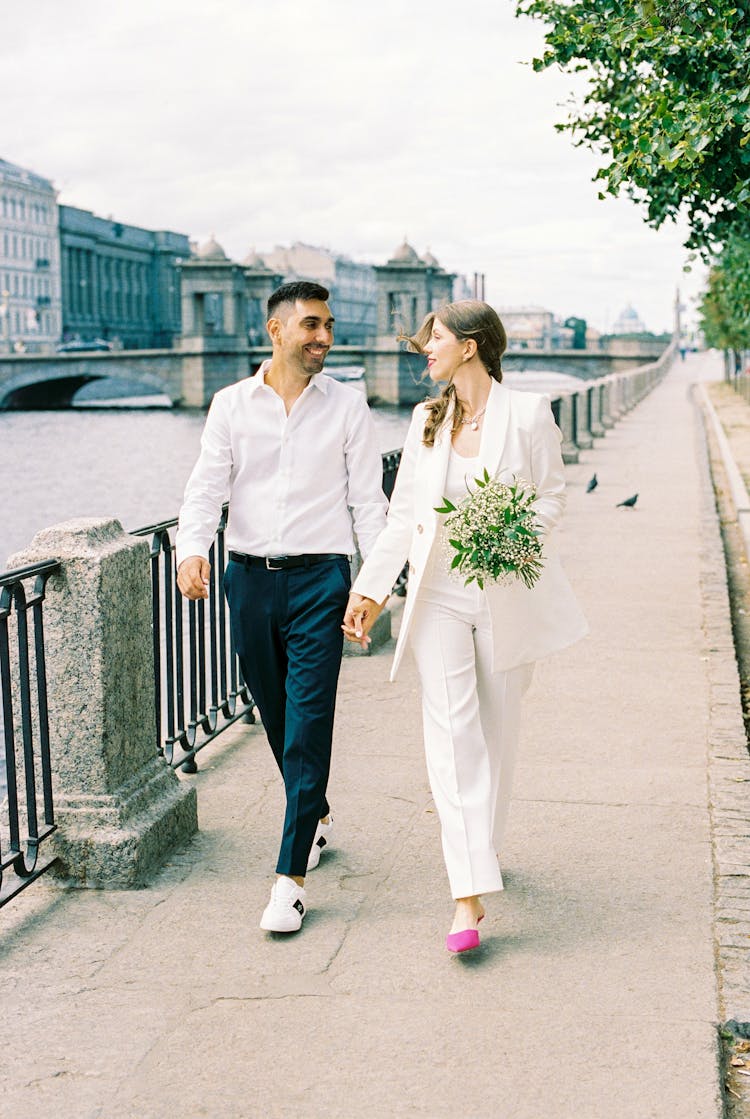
(606,406)
(567,425)
(617,407)
(596,426)
(119,807)
(584,437)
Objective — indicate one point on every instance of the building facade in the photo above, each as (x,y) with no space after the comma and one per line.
(30,294)
(119,282)
(534,328)
(353,287)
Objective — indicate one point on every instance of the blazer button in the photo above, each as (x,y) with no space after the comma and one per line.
(420,528)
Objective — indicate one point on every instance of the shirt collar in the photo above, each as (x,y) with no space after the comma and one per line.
(319,380)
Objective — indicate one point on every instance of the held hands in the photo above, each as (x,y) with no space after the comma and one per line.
(361,614)
(193,576)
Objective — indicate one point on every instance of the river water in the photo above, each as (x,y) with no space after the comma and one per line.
(126,462)
(130,463)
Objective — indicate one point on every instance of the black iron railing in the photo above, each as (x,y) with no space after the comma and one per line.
(199,691)
(391,460)
(26,808)
(199,687)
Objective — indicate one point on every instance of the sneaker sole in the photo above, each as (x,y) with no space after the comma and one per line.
(282,926)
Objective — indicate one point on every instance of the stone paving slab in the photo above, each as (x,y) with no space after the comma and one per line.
(595,990)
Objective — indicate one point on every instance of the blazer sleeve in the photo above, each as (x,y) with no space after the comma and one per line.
(547,469)
(389,554)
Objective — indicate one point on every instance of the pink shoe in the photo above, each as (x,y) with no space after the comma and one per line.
(462,941)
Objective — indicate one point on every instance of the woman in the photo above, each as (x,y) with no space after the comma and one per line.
(475,649)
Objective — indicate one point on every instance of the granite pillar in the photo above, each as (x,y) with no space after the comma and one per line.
(120,809)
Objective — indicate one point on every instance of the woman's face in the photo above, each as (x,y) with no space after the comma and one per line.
(445,353)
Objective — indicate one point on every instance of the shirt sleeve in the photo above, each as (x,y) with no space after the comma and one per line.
(364,465)
(547,470)
(207,487)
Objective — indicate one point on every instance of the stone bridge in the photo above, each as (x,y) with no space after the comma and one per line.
(190,376)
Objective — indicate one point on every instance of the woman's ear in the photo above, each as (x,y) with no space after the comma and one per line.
(470,349)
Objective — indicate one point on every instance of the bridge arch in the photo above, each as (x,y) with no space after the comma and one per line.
(37,384)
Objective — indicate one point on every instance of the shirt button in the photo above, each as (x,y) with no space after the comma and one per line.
(420,528)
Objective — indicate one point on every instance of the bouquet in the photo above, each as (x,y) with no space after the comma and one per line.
(494,534)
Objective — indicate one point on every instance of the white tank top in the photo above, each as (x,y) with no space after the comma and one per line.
(459,481)
(460,477)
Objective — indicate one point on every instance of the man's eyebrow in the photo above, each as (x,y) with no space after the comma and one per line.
(317,318)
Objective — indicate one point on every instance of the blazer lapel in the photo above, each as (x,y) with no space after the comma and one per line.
(494,428)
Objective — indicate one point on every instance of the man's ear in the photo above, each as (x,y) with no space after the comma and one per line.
(273,326)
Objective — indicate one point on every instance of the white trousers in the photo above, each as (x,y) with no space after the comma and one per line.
(471,720)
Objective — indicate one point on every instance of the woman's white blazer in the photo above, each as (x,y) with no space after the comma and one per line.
(519,438)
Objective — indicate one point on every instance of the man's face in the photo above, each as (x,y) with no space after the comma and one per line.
(303,334)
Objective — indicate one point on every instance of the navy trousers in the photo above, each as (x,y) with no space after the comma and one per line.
(286,627)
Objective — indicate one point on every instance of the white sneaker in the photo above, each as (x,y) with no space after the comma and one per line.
(286,908)
(322,839)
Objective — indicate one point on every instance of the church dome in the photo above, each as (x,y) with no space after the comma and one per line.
(430,260)
(211,250)
(405,254)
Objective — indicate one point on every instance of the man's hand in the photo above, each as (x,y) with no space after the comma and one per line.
(360,617)
(193,576)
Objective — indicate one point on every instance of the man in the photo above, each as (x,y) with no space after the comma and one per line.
(295,452)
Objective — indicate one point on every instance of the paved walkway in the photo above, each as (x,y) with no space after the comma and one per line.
(595,992)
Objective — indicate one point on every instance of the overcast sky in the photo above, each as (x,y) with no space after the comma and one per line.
(336,123)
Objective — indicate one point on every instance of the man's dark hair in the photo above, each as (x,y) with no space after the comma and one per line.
(290,293)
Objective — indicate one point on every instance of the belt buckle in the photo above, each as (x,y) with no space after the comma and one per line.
(270,566)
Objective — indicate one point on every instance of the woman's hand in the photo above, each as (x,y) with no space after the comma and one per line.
(359,618)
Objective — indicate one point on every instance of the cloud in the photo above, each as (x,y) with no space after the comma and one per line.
(339,124)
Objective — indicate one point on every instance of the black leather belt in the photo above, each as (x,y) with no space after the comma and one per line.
(281,563)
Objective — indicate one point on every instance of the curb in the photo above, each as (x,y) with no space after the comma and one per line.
(728,758)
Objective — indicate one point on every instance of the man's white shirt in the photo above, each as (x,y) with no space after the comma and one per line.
(296,484)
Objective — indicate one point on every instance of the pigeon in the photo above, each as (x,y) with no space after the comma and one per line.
(629,502)
(593,483)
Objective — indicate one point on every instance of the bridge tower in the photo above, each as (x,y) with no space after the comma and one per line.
(409,286)
(260,281)
(214,341)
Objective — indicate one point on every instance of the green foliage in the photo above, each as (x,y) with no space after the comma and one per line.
(725,307)
(667,102)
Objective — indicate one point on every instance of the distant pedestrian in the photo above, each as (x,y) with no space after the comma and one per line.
(475,648)
(297,456)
